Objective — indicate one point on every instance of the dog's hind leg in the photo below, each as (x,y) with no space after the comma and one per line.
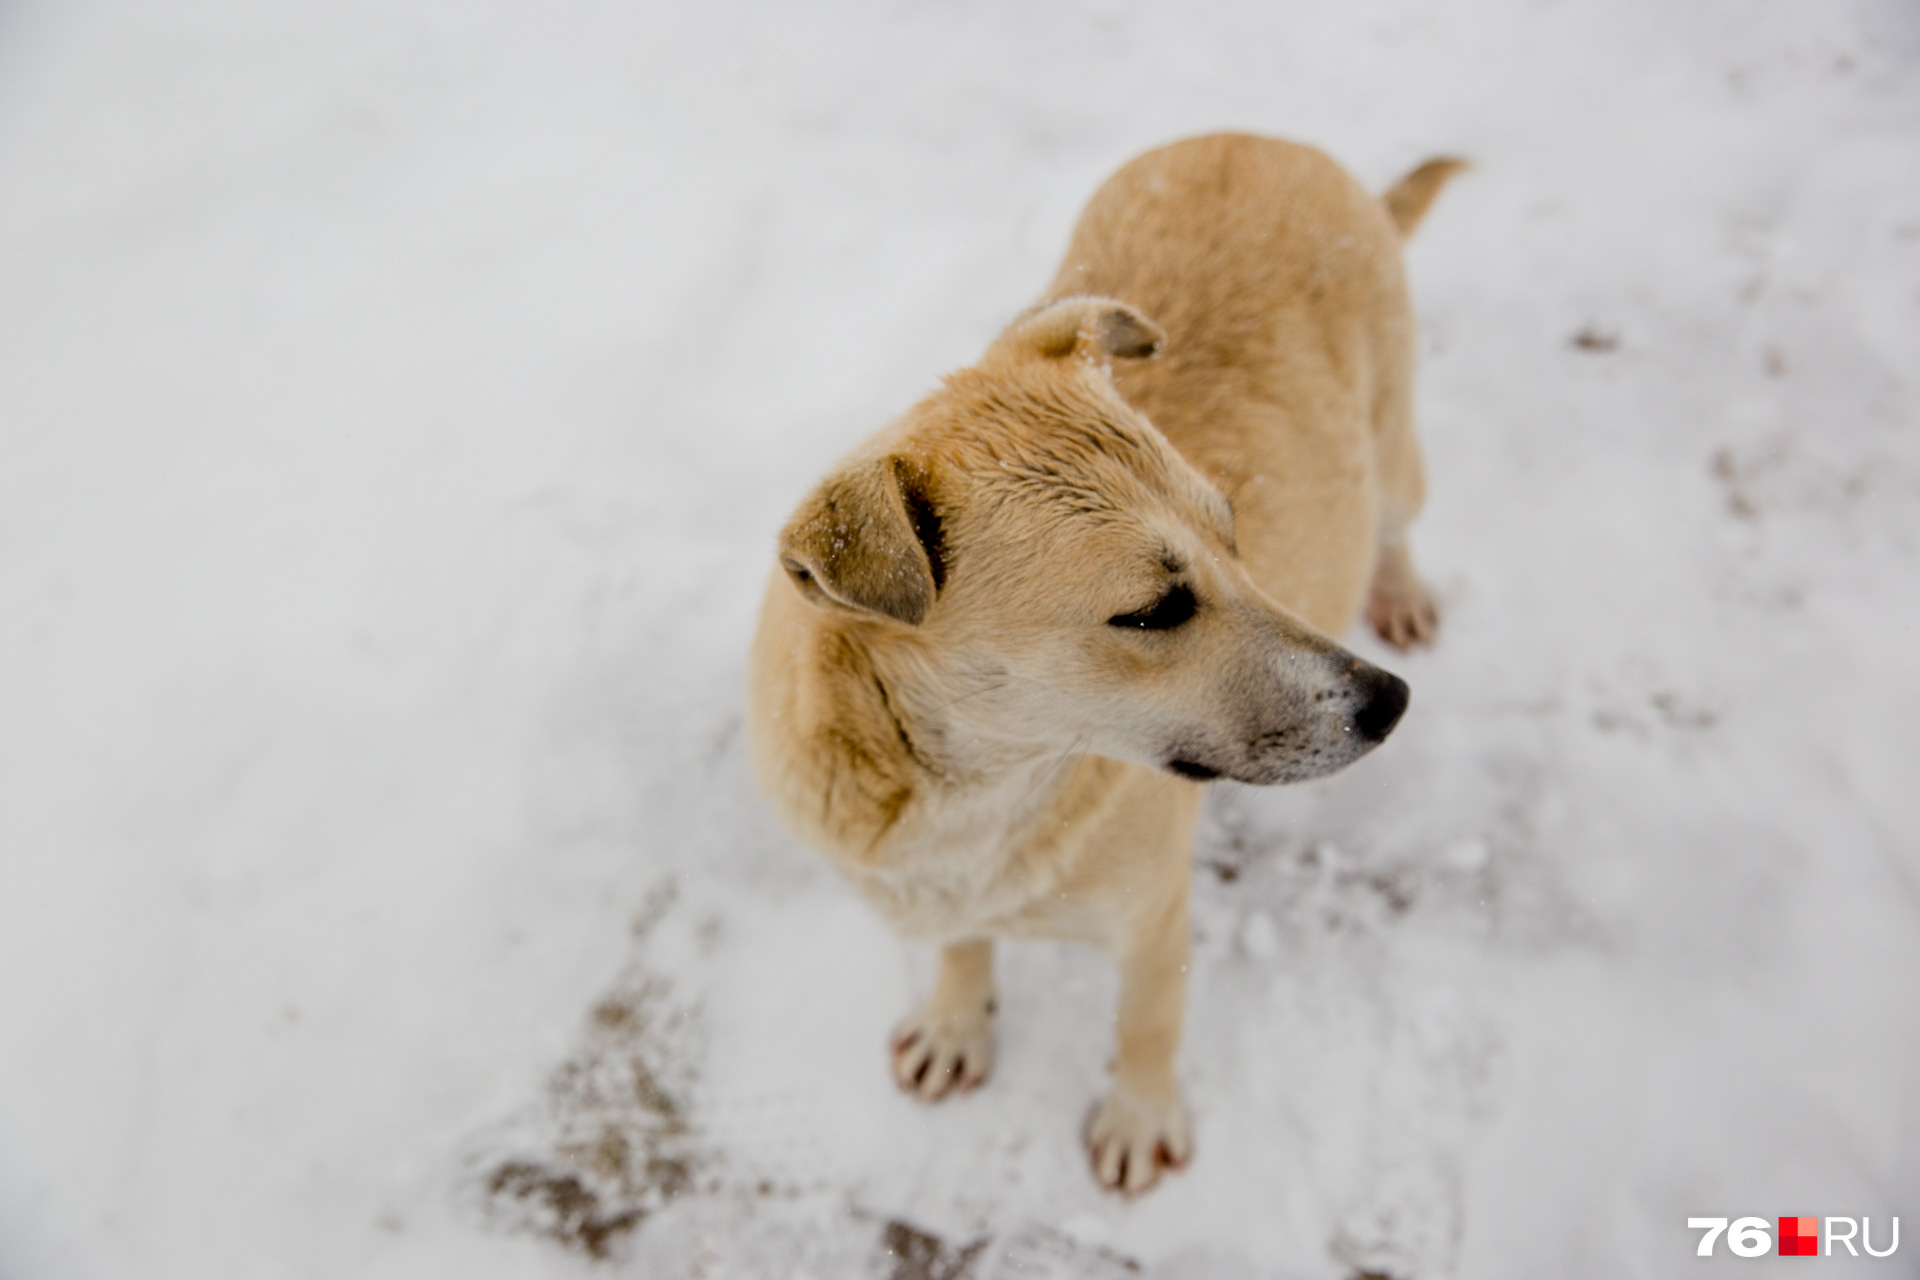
(1399,606)
(948,1044)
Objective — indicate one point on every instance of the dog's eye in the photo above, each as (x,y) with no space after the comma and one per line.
(1169,611)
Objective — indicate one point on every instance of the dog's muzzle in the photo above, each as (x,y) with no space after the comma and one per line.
(1304,732)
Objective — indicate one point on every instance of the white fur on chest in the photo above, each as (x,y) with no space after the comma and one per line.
(963,865)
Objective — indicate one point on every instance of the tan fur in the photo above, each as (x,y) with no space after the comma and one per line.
(1002,626)
(1407,200)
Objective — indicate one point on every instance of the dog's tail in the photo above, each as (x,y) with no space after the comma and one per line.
(1407,199)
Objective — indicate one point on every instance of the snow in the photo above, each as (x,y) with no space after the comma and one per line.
(399,401)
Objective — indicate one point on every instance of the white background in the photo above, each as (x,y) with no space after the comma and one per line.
(397,402)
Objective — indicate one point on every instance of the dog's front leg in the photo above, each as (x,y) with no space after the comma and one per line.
(948,1044)
(1142,1126)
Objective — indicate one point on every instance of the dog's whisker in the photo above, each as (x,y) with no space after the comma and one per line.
(945,706)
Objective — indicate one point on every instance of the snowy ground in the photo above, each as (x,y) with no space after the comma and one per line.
(398,402)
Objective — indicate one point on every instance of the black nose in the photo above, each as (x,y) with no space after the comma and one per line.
(1386,700)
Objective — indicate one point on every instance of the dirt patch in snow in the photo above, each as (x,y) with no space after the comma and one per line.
(609,1143)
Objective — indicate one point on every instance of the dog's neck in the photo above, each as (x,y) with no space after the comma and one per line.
(887,754)
(947,721)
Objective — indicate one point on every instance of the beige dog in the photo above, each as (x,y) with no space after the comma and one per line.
(1010,634)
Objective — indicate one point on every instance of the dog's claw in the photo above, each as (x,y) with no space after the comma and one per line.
(935,1055)
(1399,606)
(1130,1141)
(1403,613)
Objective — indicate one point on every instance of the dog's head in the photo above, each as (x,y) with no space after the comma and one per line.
(1046,573)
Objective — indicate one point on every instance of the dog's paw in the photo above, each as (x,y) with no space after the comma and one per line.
(1401,610)
(934,1053)
(1131,1140)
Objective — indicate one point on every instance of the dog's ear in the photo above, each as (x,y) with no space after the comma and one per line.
(1099,328)
(869,539)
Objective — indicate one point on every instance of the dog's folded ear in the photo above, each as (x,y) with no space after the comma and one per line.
(869,539)
(1098,328)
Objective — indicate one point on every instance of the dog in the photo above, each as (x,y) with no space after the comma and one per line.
(1010,638)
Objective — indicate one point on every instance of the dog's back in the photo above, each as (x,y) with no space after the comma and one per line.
(1287,372)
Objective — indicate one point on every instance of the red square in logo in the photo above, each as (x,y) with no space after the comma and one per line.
(1800,1237)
